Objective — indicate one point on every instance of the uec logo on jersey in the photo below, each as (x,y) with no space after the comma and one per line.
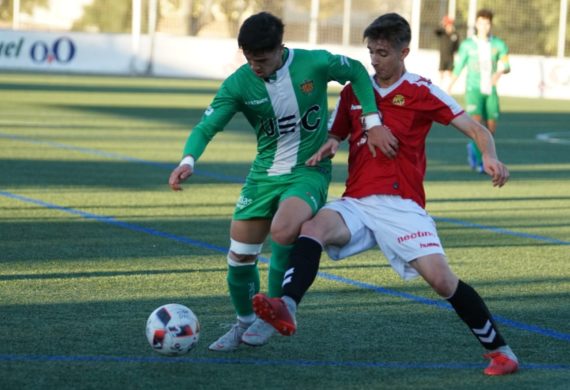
(310,121)
(61,51)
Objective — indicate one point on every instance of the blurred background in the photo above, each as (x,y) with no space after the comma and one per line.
(196,38)
(529,26)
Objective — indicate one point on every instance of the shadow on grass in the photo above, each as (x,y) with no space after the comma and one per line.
(141,174)
(356,339)
(84,235)
(109,174)
(102,88)
(111,274)
(84,240)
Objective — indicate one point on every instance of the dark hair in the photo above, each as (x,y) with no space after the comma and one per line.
(390,27)
(261,33)
(485,13)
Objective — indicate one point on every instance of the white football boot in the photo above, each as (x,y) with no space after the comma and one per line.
(258,333)
(231,340)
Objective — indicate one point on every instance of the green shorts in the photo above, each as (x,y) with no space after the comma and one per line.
(486,106)
(261,195)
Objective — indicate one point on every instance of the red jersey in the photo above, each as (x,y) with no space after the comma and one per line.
(409,107)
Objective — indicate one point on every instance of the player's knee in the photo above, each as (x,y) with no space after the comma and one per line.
(284,233)
(313,229)
(243,254)
(436,272)
(444,284)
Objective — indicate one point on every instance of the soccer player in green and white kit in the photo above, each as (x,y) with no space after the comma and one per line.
(283,94)
(486,58)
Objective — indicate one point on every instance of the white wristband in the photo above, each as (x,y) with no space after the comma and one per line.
(188,160)
(372,120)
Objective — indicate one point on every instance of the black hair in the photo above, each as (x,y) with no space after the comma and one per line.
(485,14)
(261,33)
(390,27)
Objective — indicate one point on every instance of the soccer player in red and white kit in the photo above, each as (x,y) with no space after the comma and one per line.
(383,204)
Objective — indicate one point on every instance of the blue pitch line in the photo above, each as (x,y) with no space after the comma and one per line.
(204,245)
(264,362)
(501,230)
(120,157)
(235,179)
(116,222)
(444,305)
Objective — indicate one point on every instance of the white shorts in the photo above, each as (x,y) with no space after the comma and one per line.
(400,227)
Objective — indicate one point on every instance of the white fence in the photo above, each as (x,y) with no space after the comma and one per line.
(170,56)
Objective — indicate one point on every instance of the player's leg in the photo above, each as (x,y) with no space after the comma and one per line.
(492,110)
(285,228)
(408,237)
(243,275)
(464,299)
(492,126)
(326,227)
(474,106)
(471,308)
(247,238)
(303,195)
(445,69)
(250,226)
(489,115)
(338,228)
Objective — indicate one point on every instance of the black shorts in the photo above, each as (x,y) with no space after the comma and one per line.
(446,64)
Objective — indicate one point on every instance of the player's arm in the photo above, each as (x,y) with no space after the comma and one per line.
(379,136)
(484,140)
(503,64)
(347,69)
(328,150)
(458,65)
(215,118)
(343,69)
(444,109)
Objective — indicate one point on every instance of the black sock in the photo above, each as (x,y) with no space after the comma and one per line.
(470,307)
(303,268)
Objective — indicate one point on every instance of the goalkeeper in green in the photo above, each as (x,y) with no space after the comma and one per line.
(283,94)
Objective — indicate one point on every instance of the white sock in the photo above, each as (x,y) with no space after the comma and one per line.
(291,304)
(247,320)
(507,351)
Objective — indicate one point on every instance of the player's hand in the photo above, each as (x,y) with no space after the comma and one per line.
(497,170)
(178,175)
(381,137)
(328,149)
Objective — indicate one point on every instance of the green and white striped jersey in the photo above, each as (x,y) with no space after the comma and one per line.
(482,58)
(288,111)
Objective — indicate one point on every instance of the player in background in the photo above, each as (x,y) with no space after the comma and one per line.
(486,58)
(384,202)
(448,44)
(283,94)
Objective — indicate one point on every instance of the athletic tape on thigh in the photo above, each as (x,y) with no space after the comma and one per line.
(241,248)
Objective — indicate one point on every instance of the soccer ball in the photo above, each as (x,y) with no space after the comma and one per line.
(172,329)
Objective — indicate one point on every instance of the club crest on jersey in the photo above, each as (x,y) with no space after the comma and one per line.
(398,100)
(307,86)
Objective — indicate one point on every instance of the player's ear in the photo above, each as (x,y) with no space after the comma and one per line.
(404,53)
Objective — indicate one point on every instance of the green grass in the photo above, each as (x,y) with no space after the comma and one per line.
(92,240)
